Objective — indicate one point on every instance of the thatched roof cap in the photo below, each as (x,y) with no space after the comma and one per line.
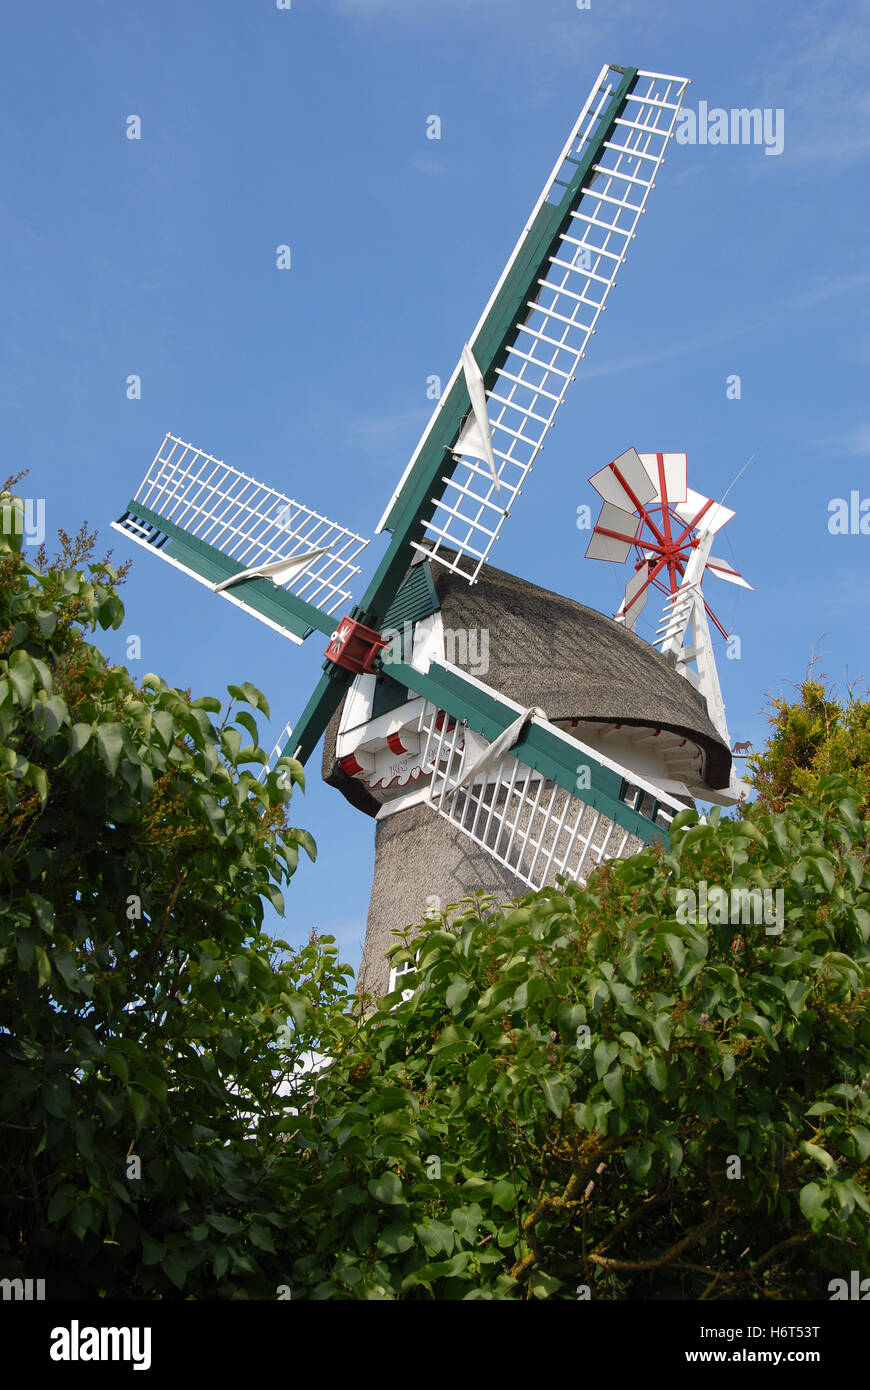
(548,650)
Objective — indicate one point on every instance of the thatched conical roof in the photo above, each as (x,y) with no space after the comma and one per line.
(572,661)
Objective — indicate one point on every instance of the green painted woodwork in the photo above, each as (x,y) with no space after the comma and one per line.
(413,507)
(394,595)
(540,749)
(416,599)
(260,595)
(325,699)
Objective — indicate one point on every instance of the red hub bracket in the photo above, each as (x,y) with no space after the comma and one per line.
(354,647)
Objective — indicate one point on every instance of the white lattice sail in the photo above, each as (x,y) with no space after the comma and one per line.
(558,320)
(530,824)
(188,491)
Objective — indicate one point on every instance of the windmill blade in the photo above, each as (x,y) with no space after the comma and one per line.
(699,511)
(626,482)
(636,595)
(535,329)
(667,473)
(523,806)
(475,437)
(723,570)
(280,572)
(612,535)
(222,528)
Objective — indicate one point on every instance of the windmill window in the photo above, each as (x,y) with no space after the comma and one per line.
(399,975)
(639,800)
(388,695)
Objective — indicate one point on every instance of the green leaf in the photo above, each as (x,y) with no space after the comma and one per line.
(187,1161)
(177,1267)
(110,741)
(120,1066)
(261,1236)
(56,1096)
(796,994)
(480,1068)
(82,1218)
(79,736)
(820,1155)
(436,1238)
(247,721)
(65,965)
(657,1072)
(55,713)
(232,741)
(138,1105)
(215,814)
(825,871)
(638,1160)
(364,1228)
(395,1240)
(241,968)
(676,950)
(276,898)
(504,1195)
(252,695)
(465,1221)
(43,966)
(21,676)
(457,993)
(861,1135)
(542,1285)
(812,1197)
(613,1086)
(61,1204)
(603,1054)
(227,1225)
(306,840)
(36,778)
(556,1093)
(208,703)
(387,1189)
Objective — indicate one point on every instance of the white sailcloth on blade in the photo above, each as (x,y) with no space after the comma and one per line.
(475,437)
(484,754)
(279,571)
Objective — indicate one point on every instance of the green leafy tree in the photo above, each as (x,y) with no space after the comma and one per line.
(592,1092)
(143,1012)
(811,737)
(591,1096)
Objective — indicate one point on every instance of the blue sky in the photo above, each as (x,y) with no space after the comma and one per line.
(307,127)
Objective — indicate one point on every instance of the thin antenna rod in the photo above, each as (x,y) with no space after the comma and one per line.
(738,475)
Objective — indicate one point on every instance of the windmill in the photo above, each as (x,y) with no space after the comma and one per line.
(648,507)
(513,766)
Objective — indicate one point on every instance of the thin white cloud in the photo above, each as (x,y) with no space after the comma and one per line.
(676,349)
(818,74)
(831,288)
(381,430)
(858,442)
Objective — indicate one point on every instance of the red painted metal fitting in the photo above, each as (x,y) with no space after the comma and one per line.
(354,647)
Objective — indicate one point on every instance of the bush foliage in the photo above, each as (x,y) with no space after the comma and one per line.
(588,1093)
(140,1002)
(810,738)
(623,1105)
